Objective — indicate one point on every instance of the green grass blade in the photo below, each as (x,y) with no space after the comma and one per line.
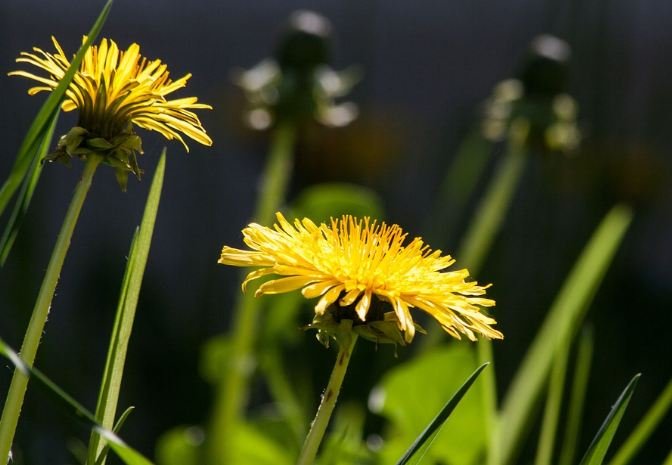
(668,459)
(26,193)
(577,397)
(645,427)
(125,316)
(598,448)
(427,436)
(564,317)
(120,423)
(549,425)
(128,455)
(45,115)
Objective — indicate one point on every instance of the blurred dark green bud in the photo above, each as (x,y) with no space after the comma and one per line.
(305,43)
(298,84)
(120,151)
(545,72)
(538,99)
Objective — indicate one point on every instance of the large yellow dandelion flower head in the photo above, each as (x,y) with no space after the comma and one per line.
(363,270)
(115,90)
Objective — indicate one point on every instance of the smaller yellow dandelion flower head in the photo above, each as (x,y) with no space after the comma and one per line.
(356,266)
(114,90)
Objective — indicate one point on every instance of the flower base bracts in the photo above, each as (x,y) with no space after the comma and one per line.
(120,151)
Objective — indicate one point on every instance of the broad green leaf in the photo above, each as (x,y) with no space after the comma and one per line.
(127,454)
(561,323)
(180,446)
(26,193)
(410,395)
(29,147)
(215,354)
(251,445)
(600,444)
(125,315)
(324,201)
(344,444)
(429,434)
(644,428)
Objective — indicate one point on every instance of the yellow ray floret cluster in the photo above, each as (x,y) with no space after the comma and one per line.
(116,87)
(352,261)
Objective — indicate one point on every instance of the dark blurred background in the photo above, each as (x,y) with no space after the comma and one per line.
(427,68)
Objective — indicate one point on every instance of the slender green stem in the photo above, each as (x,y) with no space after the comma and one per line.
(231,395)
(577,397)
(644,428)
(549,425)
(458,186)
(19,383)
(346,344)
(475,247)
(495,204)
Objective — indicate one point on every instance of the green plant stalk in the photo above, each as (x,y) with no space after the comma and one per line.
(346,344)
(31,341)
(231,395)
(644,428)
(577,397)
(108,397)
(562,321)
(458,185)
(549,425)
(478,241)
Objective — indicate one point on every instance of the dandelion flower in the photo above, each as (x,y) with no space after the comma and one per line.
(358,268)
(114,90)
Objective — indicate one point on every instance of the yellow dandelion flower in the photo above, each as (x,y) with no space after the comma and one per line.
(113,90)
(354,265)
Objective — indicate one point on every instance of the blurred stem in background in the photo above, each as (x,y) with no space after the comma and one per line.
(293,87)
(524,111)
(458,187)
(19,383)
(231,393)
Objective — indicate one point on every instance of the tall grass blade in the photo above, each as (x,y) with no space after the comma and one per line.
(577,397)
(427,436)
(29,147)
(26,193)
(121,333)
(561,323)
(128,455)
(549,425)
(598,448)
(645,427)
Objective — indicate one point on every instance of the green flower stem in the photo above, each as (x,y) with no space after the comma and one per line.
(19,383)
(645,427)
(231,394)
(458,186)
(478,242)
(346,343)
